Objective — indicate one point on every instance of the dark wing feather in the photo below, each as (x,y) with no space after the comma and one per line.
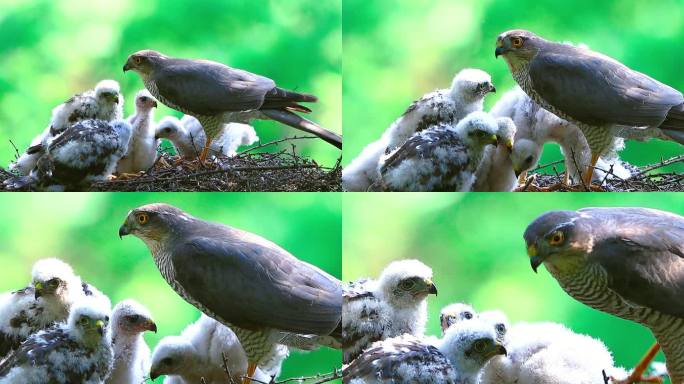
(254,285)
(208,88)
(34,350)
(596,90)
(382,360)
(644,257)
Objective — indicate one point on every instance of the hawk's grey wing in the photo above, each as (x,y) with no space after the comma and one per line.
(209,88)
(596,90)
(254,285)
(644,257)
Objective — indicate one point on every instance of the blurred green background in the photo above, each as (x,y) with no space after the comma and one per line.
(81,229)
(397,50)
(53,49)
(474,244)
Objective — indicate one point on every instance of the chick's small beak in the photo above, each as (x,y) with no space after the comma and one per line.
(38,290)
(151,326)
(154,103)
(493,139)
(100,327)
(517,172)
(492,88)
(154,374)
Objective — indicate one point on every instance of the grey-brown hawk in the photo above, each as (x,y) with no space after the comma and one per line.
(215,94)
(628,262)
(263,293)
(603,97)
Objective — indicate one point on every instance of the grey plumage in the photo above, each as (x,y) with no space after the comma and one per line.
(393,305)
(86,152)
(217,94)
(628,262)
(78,351)
(602,96)
(105,102)
(53,291)
(443,106)
(440,158)
(271,294)
(458,358)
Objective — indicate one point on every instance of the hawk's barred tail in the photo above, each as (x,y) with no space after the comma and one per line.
(298,122)
(673,126)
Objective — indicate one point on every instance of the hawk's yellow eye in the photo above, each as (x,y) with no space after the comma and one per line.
(137,60)
(517,42)
(143,218)
(557,238)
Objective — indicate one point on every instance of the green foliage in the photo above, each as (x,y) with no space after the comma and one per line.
(54,49)
(397,50)
(474,244)
(81,229)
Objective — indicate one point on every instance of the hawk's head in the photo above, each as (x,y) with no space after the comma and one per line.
(558,240)
(517,45)
(154,223)
(144,62)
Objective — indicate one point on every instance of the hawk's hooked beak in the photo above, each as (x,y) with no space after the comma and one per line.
(154,374)
(38,290)
(535,259)
(499,48)
(126,67)
(123,231)
(432,288)
(100,327)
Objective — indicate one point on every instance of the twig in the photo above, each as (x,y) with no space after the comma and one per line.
(319,377)
(540,167)
(579,169)
(225,368)
(662,163)
(274,142)
(16,150)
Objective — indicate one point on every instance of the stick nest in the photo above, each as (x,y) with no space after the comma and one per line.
(650,178)
(283,170)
